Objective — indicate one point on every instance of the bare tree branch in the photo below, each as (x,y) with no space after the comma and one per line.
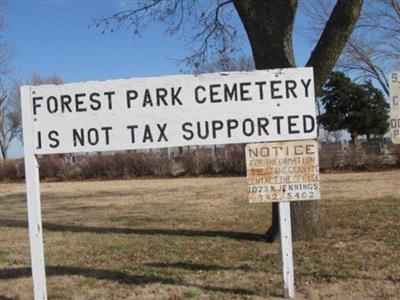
(10,119)
(333,39)
(214,34)
(373,50)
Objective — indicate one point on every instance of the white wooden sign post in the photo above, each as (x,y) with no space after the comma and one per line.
(170,111)
(286,249)
(33,198)
(283,172)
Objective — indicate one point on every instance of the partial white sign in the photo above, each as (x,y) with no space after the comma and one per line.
(394,87)
(170,111)
(283,171)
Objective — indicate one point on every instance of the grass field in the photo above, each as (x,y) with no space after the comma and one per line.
(200,239)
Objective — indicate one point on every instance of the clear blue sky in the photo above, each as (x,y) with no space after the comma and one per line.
(52,37)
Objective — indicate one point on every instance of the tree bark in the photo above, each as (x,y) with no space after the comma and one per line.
(269,27)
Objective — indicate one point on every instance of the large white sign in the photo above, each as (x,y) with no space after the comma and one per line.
(394,87)
(236,107)
(219,108)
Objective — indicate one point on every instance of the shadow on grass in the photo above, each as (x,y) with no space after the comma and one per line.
(138,192)
(196,267)
(120,277)
(249,236)
(331,276)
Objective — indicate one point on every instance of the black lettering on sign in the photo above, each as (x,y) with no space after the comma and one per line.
(292,125)
(262,126)
(95,102)
(214,93)
(36,104)
(244,91)
(162,136)
(206,130)
(147,136)
(230,94)
(196,93)
(65,103)
(306,85)
(232,124)
(278,120)
(310,125)
(161,94)
(188,133)
(130,96)
(39,140)
(248,127)
(275,89)
(132,128)
(260,86)
(78,136)
(53,137)
(107,134)
(52,104)
(147,98)
(175,94)
(290,88)
(80,103)
(216,126)
(109,98)
(92,136)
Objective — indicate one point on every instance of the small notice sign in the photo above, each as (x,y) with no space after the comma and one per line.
(395,107)
(283,171)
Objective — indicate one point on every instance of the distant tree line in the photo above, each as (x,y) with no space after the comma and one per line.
(228,160)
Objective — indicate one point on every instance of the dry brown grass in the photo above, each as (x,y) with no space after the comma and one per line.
(200,239)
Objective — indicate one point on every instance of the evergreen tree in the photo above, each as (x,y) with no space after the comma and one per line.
(360,109)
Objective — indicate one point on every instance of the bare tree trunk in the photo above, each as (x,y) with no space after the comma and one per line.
(3,152)
(269,27)
(268,35)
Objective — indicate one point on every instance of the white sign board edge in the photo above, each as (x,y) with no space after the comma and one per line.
(394,92)
(284,118)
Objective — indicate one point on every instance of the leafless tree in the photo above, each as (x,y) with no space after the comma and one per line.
(10,111)
(269,29)
(10,118)
(7,52)
(373,50)
(37,79)
(226,63)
